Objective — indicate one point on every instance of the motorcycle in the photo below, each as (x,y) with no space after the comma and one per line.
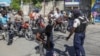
(27,32)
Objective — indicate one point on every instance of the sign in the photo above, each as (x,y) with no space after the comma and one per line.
(95,6)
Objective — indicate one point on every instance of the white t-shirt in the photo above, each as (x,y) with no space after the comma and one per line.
(52,15)
(57,15)
(18,17)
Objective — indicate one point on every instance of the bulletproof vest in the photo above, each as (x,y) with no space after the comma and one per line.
(82,26)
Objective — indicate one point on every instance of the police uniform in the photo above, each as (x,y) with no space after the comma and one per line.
(80,27)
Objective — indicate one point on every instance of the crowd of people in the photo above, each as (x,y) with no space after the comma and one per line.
(76,23)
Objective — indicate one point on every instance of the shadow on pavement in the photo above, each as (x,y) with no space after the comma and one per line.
(60,53)
(69,51)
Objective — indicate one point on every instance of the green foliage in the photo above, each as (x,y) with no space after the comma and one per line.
(26,1)
(36,1)
(38,5)
(15,4)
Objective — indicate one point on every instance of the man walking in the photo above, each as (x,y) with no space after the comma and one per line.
(79,27)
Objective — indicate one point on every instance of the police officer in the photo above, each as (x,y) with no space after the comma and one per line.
(79,27)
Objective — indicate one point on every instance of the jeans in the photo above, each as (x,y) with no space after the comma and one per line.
(78,44)
(49,53)
(11,35)
(18,25)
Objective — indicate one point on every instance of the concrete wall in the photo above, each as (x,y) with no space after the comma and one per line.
(49,6)
(25,9)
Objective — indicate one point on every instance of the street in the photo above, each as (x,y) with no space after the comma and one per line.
(39,13)
(23,47)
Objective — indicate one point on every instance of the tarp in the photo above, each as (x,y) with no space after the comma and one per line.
(5,3)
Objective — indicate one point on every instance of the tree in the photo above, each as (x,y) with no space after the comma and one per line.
(36,1)
(15,4)
(38,5)
(27,1)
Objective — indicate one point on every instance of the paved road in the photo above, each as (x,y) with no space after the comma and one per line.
(22,47)
(92,45)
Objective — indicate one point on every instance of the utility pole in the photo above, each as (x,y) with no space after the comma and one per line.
(21,3)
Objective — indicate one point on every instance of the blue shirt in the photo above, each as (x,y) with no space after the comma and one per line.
(3,20)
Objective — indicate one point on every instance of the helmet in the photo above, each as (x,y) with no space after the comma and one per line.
(76,13)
